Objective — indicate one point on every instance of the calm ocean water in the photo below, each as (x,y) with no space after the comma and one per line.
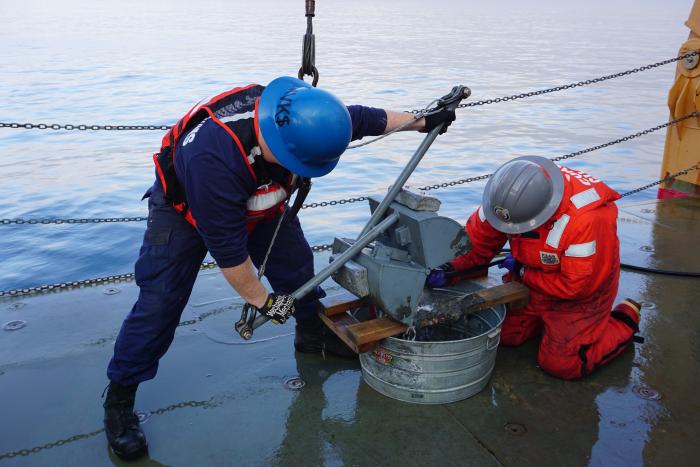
(147,62)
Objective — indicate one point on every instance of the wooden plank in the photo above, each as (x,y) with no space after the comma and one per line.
(375,330)
(512,292)
(505,293)
(339,325)
(340,303)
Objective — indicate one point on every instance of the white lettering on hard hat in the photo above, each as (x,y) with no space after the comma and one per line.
(585,198)
(554,236)
(191,135)
(581,250)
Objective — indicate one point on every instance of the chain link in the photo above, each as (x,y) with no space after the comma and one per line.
(357,199)
(85,127)
(94,220)
(586,82)
(207,404)
(665,179)
(61,286)
(626,138)
(336,202)
(82,127)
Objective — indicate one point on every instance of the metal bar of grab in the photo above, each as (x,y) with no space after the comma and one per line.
(315,281)
(374,228)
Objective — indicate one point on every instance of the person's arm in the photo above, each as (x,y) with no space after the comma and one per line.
(396,120)
(371,121)
(486,242)
(245,281)
(217,184)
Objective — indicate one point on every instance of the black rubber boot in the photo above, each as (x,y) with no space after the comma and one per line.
(312,336)
(124,433)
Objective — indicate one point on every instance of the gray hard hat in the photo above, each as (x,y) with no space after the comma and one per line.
(523,194)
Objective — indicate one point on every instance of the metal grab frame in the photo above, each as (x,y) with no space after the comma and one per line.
(373,228)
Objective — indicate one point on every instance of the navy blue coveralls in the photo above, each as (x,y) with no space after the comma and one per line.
(218,184)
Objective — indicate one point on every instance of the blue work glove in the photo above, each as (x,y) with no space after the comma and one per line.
(439,276)
(512,265)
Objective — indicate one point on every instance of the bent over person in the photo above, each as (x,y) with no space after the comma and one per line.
(562,228)
(224,174)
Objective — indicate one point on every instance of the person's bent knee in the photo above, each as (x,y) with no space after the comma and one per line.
(567,367)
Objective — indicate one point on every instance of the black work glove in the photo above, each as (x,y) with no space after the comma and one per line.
(441,116)
(278,307)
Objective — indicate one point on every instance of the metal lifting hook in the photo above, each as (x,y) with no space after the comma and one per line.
(308,56)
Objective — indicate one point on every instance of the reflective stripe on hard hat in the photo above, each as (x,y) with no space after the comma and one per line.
(557,231)
(585,198)
(480,210)
(581,250)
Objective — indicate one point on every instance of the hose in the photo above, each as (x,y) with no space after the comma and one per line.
(663,272)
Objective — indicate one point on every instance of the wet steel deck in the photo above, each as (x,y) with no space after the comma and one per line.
(219,401)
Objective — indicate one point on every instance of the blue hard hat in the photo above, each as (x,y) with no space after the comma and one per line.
(306,128)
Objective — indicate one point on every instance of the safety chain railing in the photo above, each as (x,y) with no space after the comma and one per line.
(61,286)
(62,442)
(572,85)
(357,199)
(316,248)
(84,127)
(665,179)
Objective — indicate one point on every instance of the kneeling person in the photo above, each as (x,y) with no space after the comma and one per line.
(562,228)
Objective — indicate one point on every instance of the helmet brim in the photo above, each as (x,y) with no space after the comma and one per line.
(268,127)
(521,227)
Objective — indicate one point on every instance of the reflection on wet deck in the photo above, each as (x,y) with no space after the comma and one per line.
(220,401)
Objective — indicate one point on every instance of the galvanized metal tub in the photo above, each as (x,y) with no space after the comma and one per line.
(437,371)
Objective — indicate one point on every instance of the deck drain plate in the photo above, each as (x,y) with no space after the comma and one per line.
(648,305)
(14,325)
(142,416)
(16,306)
(295,383)
(111,291)
(515,429)
(647,248)
(645,392)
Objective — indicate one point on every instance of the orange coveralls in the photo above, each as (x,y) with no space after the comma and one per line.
(572,268)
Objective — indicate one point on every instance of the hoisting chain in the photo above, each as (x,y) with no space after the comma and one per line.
(207,404)
(308,54)
(308,68)
(356,199)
